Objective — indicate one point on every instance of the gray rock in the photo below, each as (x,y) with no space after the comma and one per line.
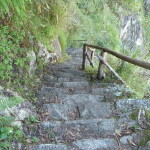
(46,55)
(72,79)
(48,147)
(76,85)
(131,32)
(95,144)
(49,78)
(81,99)
(57,111)
(60,74)
(81,128)
(57,47)
(32,63)
(125,121)
(125,139)
(129,105)
(92,110)
(147,6)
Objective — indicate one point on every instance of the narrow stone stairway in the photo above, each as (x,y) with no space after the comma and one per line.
(79,114)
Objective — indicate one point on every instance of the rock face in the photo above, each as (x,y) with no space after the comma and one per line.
(57,47)
(32,63)
(46,55)
(21,111)
(131,32)
(147,7)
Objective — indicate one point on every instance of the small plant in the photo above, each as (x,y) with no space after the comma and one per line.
(35,140)
(30,120)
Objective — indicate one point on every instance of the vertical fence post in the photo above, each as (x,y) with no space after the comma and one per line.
(84,56)
(101,73)
(92,56)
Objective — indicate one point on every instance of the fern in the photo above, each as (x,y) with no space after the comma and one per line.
(6,102)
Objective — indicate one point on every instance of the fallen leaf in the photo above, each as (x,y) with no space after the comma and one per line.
(118,132)
(28,141)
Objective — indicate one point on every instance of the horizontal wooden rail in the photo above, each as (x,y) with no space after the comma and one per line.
(136,62)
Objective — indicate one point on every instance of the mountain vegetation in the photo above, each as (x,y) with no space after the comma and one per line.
(96,21)
(25,23)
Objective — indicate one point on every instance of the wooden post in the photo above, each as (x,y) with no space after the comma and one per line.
(84,57)
(101,73)
(92,56)
(112,70)
(88,57)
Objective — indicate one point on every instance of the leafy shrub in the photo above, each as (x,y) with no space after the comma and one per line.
(9,133)
(13,58)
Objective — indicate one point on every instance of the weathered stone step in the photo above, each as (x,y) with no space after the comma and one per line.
(60,112)
(79,110)
(76,85)
(108,93)
(95,144)
(79,129)
(85,144)
(72,96)
(74,72)
(71,85)
(48,147)
(98,110)
(72,79)
(79,99)
(60,74)
(48,79)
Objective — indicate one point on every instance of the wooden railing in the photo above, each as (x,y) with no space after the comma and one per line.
(102,62)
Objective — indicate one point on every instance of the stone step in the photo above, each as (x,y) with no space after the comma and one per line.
(76,85)
(80,110)
(98,110)
(108,93)
(71,71)
(81,99)
(73,79)
(47,147)
(79,129)
(51,95)
(60,74)
(96,144)
(84,144)
(60,112)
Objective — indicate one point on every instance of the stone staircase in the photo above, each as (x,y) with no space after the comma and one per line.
(79,114)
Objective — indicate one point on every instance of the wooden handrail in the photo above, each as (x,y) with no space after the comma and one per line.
(136,62)
(101,75)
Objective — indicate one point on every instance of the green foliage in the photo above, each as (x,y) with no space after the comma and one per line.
(9,102)
(96,23)
(9,6)
(35,140)
(63,42)
(13,60)
(9,133)
(30,120)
